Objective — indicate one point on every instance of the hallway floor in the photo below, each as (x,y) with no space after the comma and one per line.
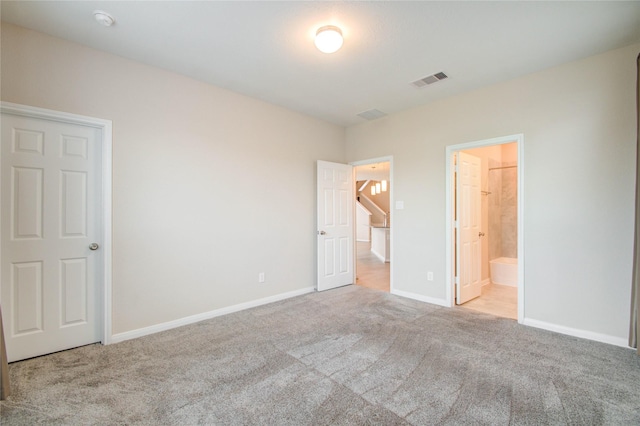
(371,271)
(498,300)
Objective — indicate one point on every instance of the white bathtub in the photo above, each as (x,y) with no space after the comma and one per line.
(504,271)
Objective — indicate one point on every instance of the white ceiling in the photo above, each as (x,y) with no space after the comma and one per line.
(265,49)
(373,171)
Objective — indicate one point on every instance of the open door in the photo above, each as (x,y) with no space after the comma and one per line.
(335,225)
(468,217)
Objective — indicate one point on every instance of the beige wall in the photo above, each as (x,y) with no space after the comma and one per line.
(209,187)
(578,122)
(509,153)
(180,146)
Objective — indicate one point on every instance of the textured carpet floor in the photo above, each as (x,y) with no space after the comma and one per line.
(348,356)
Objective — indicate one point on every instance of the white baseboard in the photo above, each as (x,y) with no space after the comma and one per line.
(486,281)
(504,285)
(133,334)
(378,255)
(421,298)
(575,332)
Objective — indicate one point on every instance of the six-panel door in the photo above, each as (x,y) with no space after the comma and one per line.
(468,215)
(335,225)
(51,214)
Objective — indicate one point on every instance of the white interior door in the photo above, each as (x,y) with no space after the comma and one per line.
(50,217)
(468,215)
(335,225)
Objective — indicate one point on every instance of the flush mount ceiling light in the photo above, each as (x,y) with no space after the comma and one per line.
(103,18)
(328,39)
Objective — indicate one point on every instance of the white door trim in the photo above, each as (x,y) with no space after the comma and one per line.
(388,158)
(450,273)
(105,127)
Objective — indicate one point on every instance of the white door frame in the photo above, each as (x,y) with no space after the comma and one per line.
(105,128)
(450,251)
(389,159)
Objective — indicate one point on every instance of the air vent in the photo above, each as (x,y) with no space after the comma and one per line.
(430,79)
(372,114)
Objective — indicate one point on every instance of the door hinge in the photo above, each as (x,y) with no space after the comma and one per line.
(455,224)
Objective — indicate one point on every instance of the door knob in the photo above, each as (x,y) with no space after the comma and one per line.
(94,246)
(322,233)
(480,234)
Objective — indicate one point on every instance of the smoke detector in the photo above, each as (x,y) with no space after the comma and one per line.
(103,18)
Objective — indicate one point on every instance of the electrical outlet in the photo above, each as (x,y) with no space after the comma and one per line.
(429,276)
(261,277)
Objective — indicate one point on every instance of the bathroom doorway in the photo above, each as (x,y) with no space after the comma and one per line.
(373,219)
(485,195)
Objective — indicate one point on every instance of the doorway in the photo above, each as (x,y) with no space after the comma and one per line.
(373,197)
(56,228)
(484,226)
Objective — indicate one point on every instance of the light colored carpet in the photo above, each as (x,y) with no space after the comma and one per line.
(348,356)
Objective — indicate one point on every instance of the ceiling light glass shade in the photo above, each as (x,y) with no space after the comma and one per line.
(384,185)
(328,39)
(373,190)
(378,188)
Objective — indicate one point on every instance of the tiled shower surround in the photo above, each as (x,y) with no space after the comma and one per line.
(503,209)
